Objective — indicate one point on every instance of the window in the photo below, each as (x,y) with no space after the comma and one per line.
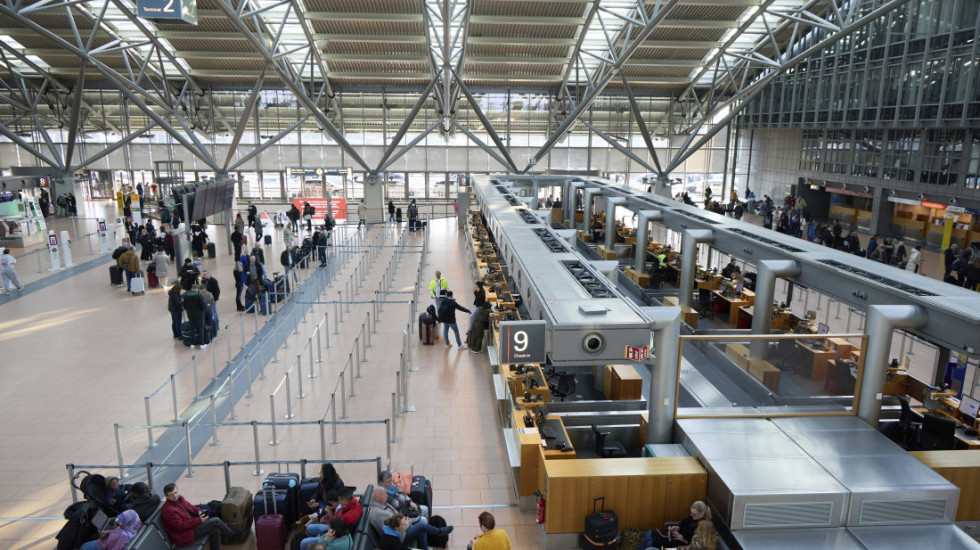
(867,153)
(270,185)
(812,150)
(901,148)
(942,156)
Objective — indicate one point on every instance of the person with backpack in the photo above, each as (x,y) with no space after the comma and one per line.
(130,263)
(288,261)
(293,215)
(328,225)
(308,212)
(196,307)
(253,214)
(175,305)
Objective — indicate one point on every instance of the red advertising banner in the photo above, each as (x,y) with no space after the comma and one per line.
(338,207)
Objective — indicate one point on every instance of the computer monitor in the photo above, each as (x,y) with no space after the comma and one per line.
(822,328)
(969,406)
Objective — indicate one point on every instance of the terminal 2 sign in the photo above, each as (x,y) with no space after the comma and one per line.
(168,11)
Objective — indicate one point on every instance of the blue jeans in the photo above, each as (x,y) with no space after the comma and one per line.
(419,533)
(445,332)
(175,319)
(91,545)
(213,319)
(129,277)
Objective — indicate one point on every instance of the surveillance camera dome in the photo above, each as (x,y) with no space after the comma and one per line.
(593,343)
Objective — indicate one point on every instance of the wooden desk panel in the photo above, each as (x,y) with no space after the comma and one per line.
(688,314)
(625,383)
(961,469)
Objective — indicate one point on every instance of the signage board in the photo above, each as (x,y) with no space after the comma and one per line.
(318,171)
(171,11)
(522,342)
(637,353)
(337,205)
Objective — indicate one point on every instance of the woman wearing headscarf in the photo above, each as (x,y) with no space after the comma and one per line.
(126,525)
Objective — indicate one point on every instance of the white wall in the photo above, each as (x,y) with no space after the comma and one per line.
(775,162)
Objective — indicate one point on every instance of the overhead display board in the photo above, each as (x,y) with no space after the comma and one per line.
(170,11)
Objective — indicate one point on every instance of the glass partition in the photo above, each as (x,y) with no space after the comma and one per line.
(770,375)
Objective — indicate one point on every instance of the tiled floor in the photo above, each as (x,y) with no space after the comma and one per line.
(81,355)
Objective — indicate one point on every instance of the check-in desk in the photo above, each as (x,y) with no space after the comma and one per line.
(782,320)
(520,384)
(621,382)
(962,469)
(533,453)
(709,282)
(645,492)
(729,305)
(689,315)
(760,369)
(947,409)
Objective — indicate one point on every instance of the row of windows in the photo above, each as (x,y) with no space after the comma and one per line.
(917,62)
(940,157)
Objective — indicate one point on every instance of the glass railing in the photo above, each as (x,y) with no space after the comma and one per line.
(769,375)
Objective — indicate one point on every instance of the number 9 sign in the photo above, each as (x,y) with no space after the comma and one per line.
(522,342)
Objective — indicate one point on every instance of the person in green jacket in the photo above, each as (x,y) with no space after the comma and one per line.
(478,325)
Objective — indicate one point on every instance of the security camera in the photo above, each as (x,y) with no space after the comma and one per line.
(867,189)
(843,186)
(593,343)
(953,201)
(891,192)
(921,196)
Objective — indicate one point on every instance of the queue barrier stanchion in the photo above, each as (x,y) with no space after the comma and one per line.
(272,415)
(388,440)
(214,424)
(333,417)
(173,392)
(248,377)
(197,391)
(394,414)
(119,455)
(255,439)
(343,397)
(312,373)
(367,333)
(299,376)
(289,397)
(398,386)
(357,353)
(149,431)
(350,362)
(187,447)
(323,440)
(231,396)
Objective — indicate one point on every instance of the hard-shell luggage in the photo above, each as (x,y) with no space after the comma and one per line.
(398,215)
(309,489)
(288,482)
(137,285)
(152,280)
(264,303)
(601,528)
(212,251)
(270,529)
(427,329)
(236,509)
(421,492)
(268,240)
(115,275)
(439,541)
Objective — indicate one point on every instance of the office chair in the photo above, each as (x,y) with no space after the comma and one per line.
(611,450)
(938,433)
(704,302)
(910,429)
(564,387)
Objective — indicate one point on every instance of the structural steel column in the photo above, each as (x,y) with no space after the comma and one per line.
(666,324)
(611,204)
(568,202)
(689,261)
(587,205)
(881,323)
(644,217)
(535,189)
(765,289)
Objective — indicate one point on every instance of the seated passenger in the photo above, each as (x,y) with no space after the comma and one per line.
(400,501)
(118,532)
(418,534)
(329,482)
(491,538)
(336,537)
(680,534)
(346,507)
(704,537)
(142,501)
(185,522)
(394,529)
(115,495)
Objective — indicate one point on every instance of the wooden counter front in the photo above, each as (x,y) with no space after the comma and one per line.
(644,492)
(961,468)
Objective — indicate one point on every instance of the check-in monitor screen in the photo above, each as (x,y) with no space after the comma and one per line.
(969,406)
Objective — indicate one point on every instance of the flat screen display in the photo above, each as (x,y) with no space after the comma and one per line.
(969,406)
(822,328)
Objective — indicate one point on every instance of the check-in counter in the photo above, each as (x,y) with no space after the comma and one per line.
(644,492)
(961,468)
(689,315)
(533,453)
(621,382)
(760,369)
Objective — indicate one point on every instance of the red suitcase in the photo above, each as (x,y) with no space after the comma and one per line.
(270,529)
(152,279)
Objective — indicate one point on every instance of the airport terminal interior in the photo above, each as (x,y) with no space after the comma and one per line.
(715,266)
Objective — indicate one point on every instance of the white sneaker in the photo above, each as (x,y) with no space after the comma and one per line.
(204,346)
(463,346)
(447,344)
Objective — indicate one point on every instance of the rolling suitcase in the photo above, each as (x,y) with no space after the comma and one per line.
(309,489)
(137,286)
(601,528)
(236,510)
(187,334)
(398,215)
(115,275)
(427,329)
(270,529)
(421,492)
(212,253)
(152,280)
(268,240)
(288,482)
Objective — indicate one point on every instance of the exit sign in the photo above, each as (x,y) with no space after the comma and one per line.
(634,353)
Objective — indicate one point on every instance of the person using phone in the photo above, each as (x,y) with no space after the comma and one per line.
(680,534)
(185,522)
(337,537)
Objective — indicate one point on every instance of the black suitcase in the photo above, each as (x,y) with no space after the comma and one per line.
(398,215)
(288,482)
(188,336)
(601,528)
(309,490)
(268,240)
(280,504)
(212,251)
(421,492)
(115,275)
